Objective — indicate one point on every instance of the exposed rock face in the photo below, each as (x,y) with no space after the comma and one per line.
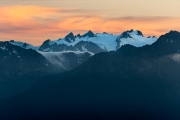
(70,37)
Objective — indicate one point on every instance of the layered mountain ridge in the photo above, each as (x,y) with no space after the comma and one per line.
(66,53)
(72,50)
(20,67)
(130,83)
(17,62)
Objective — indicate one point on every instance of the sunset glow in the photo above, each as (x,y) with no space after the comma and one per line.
(34,23)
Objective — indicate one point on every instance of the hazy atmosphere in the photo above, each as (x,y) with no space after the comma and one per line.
(89,60)
(36,20)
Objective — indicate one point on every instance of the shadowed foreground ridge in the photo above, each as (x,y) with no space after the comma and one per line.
(131,83)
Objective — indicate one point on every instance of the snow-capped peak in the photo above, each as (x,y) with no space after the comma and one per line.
(131,33)
(89,34)
(23,45)
(135,38)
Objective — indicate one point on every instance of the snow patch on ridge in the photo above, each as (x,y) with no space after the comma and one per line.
(3,48)
(102,40)
(137,41)
(21,44)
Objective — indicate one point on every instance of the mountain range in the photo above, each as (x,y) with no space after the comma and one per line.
(126,80)
(22,63)
(91,42)
(64,54)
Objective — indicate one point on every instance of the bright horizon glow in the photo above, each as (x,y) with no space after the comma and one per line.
(37,20)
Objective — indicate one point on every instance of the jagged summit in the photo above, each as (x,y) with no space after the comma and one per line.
(125,35)
(89,34)
(139,33)
(131,33)
(46,44)
(70,37)
(78,35)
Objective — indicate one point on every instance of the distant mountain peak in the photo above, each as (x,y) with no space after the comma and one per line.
(125,35)
(129,33)
(47,41)
(139,33)
(70,37)
(12,41)
(25,45)
(89,34)
(105,33)
(78,35)
(70,34)
(46,44)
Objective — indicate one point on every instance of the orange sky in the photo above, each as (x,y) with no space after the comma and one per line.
(36,23)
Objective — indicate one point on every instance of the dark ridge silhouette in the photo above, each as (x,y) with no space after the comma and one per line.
(131,83)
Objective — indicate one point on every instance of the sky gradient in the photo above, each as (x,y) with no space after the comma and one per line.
(37,20)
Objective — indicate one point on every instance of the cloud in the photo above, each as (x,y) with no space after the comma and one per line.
(175,57)
(34,24)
